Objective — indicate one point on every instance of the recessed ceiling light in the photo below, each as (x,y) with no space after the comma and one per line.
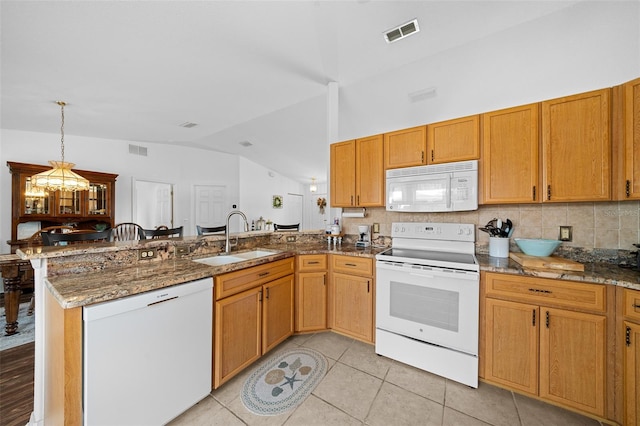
(246,144)
(188,124)
(401,31)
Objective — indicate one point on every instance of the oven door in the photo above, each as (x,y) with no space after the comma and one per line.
(437,306)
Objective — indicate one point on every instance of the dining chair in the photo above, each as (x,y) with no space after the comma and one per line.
(127,231)
(76,237)
(277,227)
(163,232)
(203,230)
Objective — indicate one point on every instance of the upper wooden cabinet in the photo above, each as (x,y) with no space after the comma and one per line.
(357,173)
(626,148)
(454,140)
(86,208)
(510,160)
(405,148)
(576,147)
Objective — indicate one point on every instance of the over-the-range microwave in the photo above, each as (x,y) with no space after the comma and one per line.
(446,187)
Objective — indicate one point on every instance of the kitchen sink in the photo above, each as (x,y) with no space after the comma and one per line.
(254,254)
(236,257)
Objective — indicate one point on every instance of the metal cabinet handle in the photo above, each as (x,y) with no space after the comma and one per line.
(627,337)
(431,155)
(533,320)
(535,290)
(263,274)
(534,193)
(636,306)
(267,292)
(548,192)
(547,320)
(628,188)
(350,264)
(313,262)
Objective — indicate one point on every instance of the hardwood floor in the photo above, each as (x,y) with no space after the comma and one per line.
(16,384)
(16,379)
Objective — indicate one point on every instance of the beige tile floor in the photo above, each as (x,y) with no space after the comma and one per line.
(362,388)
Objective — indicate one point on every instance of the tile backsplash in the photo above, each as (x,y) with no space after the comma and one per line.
(596,225)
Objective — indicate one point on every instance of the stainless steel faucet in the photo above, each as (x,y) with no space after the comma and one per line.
(227,245)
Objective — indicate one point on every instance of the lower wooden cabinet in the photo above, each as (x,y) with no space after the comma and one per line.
(311,293)
(550,349)
(251,322)
(352,296)
(631,355)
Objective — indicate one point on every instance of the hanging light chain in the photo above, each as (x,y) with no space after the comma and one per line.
(62,104)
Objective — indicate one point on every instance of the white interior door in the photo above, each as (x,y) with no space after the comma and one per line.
(209,204)
(153,204)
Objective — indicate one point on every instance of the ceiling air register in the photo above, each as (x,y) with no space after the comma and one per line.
(401,31)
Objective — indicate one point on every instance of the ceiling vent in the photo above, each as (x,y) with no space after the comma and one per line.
(138,150)
(188,124)
(402,31)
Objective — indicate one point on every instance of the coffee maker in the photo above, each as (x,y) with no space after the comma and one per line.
(364,236)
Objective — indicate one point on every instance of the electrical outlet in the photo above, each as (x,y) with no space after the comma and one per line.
(291,238)
(566,233)
(147,253)
(376,228)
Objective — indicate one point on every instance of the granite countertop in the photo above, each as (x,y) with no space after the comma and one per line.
(596,273)
(77,290)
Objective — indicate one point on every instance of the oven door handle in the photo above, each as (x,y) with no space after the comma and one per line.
(416,274)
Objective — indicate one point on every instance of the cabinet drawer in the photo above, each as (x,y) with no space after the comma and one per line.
(312,262)
(632,304)
(352,265)
(237,281)
(547,291)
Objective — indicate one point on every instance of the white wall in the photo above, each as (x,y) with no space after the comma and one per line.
(258,185)
(183,167)
(589,46)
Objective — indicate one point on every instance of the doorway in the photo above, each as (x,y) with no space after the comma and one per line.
(152,204)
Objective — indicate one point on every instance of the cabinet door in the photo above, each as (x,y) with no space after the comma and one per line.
(632,373)
(405,148)
(511,345)
(454,140)
(237,334)
(510,147)
(632,139)
(343,174)
(277,312)
(576,148)
(99,199)
(311,301)
(572,359)
(353,306)
(370,172)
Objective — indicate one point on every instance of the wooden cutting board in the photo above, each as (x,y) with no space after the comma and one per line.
(546,262)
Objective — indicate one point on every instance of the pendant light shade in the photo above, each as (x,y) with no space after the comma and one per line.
(60,177)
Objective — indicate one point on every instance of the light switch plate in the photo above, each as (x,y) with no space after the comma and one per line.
(566,233)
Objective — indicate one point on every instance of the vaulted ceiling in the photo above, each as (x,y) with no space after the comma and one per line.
(137,70)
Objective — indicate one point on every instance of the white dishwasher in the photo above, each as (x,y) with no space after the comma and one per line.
(147,358)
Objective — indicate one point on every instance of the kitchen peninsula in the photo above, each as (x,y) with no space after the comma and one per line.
(69,278)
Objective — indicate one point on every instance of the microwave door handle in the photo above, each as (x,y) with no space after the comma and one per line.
(448,192)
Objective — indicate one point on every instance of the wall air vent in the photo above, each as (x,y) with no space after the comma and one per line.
(401,31)
(138,150)
(188,124)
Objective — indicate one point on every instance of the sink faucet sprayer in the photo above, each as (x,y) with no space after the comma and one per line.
(227,245)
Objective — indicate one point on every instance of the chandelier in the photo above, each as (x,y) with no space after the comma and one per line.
(60,177)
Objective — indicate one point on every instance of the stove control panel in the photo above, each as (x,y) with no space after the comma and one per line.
(434,231)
